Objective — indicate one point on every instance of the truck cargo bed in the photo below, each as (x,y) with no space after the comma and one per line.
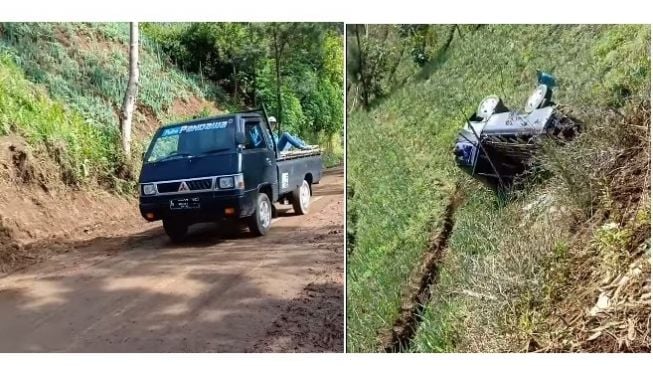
(294,154)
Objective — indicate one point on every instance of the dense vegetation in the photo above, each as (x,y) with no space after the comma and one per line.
(82,69)
(521,272)
(62,85)
(295,69)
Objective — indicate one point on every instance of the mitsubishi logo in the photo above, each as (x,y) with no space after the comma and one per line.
(183,187)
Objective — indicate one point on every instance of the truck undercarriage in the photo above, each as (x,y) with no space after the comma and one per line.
(497,145)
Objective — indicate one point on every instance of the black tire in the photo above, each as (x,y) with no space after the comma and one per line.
(259,223)
(176,230)
(563,127)
(301,198)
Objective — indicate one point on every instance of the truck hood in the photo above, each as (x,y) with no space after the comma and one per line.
(190,167)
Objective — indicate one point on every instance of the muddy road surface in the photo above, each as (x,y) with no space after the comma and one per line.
(135,291)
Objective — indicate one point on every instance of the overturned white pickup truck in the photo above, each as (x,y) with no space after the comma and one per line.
(497,144)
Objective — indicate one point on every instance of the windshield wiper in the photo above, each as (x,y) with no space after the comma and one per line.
(176,155)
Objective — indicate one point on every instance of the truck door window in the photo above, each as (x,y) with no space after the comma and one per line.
(268,139)
(254,138)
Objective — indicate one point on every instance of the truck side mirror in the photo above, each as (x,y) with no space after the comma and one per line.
(240,137)
(240,131)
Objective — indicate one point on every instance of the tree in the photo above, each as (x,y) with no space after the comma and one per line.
(132,90)
(231,45)
(278,44)
(361,68)
(295,69)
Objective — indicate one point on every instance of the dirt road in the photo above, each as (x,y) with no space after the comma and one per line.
(134,291)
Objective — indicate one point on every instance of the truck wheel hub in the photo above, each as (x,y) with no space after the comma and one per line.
(264,213)
(304,195)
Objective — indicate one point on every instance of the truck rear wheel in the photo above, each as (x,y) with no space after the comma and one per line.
(176,230)
(301,198)
(259,222)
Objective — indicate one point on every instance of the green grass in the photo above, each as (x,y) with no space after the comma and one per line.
(83,150)
(395,186)
(83,69)
(400,169)
(494,273)
(85,66)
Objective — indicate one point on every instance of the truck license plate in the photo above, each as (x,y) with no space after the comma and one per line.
(185,203)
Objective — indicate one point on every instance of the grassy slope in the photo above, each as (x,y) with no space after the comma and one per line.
(400,170)
(28,110)
(83,67)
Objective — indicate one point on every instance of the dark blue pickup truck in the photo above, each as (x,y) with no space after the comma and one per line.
(226,169)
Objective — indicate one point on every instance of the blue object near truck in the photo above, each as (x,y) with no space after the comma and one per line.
(224,169)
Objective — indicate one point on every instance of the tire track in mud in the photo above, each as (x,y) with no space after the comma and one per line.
(414,302)
(313,320)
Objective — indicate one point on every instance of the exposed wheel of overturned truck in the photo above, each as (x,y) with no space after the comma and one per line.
(176,230)
(301,198)
(259,222)
(563,127)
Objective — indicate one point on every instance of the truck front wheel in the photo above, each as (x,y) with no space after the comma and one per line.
(176,230)
(259,222)
(301,198)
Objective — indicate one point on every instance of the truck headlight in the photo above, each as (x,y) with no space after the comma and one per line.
(149,189)
(226,182)
(231,182)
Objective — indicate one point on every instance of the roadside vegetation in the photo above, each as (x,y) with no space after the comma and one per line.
(82,150)
(62,86)
(294,69)
(561,265)
(81,70)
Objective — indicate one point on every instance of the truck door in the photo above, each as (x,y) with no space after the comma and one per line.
(259,162)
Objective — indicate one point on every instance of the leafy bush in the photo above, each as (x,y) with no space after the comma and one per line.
(241,58)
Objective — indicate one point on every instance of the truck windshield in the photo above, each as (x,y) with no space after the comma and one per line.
(192,140)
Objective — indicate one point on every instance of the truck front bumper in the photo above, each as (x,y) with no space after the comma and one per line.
(205,207)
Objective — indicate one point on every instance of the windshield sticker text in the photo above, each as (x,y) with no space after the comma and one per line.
(194,128)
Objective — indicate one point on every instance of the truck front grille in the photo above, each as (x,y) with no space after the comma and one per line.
(199,184)
(168,187)
(193,185)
